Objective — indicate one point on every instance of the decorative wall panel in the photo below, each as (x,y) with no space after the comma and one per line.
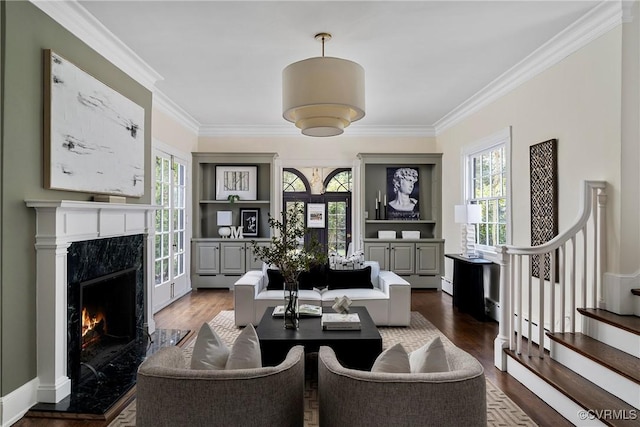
(543,165)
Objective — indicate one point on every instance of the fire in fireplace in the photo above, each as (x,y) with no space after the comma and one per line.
(108,319)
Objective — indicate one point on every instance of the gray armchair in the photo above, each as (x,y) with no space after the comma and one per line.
(169,393)
(362,398)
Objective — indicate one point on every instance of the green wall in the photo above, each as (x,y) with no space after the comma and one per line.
(26,31)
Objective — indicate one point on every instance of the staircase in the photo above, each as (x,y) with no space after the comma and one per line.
(581,360)
(585,380)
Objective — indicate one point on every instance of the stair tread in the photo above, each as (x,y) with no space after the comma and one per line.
(629,323)
(577,388)
(606,355)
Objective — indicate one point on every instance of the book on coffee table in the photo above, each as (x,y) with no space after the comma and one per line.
(340,321)
(303,309)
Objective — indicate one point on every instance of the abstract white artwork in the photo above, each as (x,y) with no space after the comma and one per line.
(94,136)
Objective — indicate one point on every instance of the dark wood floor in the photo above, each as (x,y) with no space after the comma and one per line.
(463,330)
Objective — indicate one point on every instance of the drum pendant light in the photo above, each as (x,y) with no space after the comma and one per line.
(323,95)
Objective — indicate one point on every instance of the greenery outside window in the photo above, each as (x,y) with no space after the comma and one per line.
(336,235)
(488,184)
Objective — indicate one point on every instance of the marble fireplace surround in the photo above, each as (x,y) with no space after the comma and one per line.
(58,224)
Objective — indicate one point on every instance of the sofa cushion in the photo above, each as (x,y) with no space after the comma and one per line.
(316,277)
(349,279)
(209,351)
(392,360)
(245,353)
(275,280)
(431,357)
(375,271)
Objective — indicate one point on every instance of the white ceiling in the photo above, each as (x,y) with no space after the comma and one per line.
(221,61)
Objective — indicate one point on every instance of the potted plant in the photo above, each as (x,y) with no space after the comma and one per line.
(291,256)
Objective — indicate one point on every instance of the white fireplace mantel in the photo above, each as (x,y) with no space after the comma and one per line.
(58,224)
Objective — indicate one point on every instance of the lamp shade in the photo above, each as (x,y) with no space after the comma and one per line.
(468,214)
(323,95)
(224,218)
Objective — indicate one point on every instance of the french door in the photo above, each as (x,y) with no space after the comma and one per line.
(170,192)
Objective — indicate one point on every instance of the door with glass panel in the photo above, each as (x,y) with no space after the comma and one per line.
(335,235)
(170,229)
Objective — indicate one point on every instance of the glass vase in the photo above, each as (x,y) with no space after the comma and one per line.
(291,313)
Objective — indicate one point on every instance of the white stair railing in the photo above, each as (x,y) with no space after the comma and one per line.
(577,260)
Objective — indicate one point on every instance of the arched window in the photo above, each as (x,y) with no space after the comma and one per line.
(295,189)
(336,233)
(339,181)
(337,197)
(294,182)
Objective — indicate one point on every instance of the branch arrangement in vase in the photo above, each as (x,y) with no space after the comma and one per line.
(288,251)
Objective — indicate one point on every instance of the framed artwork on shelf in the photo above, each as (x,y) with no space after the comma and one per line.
(250,220)
(93,135)
(241,181)
(403,193)
(315,215)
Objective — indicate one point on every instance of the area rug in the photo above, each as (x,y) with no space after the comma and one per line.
(501,411)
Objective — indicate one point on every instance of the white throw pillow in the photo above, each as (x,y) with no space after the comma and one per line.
(209,351)
(245,353)
(392,360)
(431,357)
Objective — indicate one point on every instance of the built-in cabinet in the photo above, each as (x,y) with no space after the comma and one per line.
(216,261)
(225,256)
(406,258)
(419,260)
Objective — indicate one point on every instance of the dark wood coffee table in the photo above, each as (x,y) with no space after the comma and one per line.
(354,349)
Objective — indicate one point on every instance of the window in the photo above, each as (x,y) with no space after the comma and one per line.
(293,182)
(335,194)
(338,197)
(487,184)
(170,228)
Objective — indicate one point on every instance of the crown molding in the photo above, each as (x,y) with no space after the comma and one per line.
(627,10)
(77,20)
(163,103)
(598,21)
(285,130)
(407,131)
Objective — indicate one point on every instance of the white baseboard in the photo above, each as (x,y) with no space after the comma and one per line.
(447,285)
(14,405)
(493,309)
(617,293)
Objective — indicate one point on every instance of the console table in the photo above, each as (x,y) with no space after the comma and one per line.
(468,284)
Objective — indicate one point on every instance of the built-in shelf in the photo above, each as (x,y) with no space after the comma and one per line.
(420,260)
(394,221)
(217,262)
(239,202)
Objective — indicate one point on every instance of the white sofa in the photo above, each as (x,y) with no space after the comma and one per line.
(388,303)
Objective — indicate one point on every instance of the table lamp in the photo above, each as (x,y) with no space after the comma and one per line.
(468,216)
(224,221)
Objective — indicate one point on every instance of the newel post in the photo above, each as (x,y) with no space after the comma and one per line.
(504,314)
